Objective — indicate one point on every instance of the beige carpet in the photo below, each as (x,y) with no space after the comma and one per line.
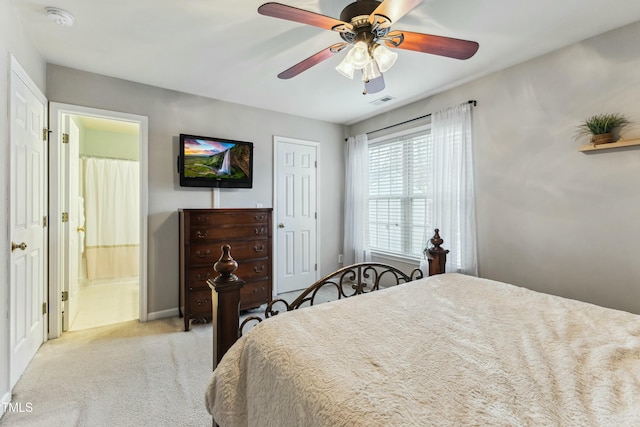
(130,374)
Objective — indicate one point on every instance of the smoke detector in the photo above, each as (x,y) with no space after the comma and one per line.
(59,16)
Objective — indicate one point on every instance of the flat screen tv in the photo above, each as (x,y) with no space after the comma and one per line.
(215,162)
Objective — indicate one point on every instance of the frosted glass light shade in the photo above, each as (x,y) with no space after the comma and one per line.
(359,55)
(384,57)
(370,71)
(346,68)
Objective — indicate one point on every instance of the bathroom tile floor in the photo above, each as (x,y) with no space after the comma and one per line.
(106,304)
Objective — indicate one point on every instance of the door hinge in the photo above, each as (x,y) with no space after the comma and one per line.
(44,221)
(45,134)
(65,216)
(65,296)
(65,138)
(44,308)
(316,267)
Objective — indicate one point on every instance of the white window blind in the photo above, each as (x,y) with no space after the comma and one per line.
(398,202)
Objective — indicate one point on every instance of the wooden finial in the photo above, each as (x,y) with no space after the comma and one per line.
(226,266)
(436,240)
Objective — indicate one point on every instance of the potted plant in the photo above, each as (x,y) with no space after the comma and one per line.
(601,127)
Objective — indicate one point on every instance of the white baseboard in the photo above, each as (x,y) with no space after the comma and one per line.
(172,312)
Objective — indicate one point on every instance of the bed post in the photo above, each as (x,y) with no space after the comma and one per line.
(225,302)
(436,255)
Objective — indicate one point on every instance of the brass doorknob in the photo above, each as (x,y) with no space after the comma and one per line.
(281,225)
(15,246)
(80,229)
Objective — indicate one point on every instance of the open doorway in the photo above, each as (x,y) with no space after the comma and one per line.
(108,198)
(99,186)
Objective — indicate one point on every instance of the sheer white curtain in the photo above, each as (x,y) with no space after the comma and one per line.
(452,187)
(356,202)
(112,238)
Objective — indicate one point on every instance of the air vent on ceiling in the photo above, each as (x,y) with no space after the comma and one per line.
(382,100)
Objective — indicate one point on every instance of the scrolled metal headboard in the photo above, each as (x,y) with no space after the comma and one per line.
(346,282)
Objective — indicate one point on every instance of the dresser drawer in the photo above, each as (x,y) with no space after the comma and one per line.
(197,277)
(254,294)
(228,217)
(251,270)
(204,254)
(227,232)
(199,303)
(249,249)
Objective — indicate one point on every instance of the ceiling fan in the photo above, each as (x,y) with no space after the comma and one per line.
(366,24)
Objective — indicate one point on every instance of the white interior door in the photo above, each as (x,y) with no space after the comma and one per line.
(296,214)
(28,175)
(71,229)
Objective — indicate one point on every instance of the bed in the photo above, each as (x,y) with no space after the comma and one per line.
(447,349)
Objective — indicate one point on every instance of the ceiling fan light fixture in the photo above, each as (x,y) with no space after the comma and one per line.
(384,57)
(366,25)
(346,68)
(359,55)
(370,71)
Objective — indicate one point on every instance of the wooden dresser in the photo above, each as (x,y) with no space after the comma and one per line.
(202,234)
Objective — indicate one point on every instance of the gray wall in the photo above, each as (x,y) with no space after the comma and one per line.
(551,218)
(12,41)
(171,113)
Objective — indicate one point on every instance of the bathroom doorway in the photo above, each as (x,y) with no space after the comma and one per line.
(101,167)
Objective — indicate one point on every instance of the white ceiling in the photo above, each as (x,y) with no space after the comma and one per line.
(226,50)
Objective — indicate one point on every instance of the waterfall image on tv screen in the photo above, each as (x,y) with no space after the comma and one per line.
(216,159)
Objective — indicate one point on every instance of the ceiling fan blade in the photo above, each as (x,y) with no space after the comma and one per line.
(290,13)
(436,45)
(311,61)
(374,86)
(390,11)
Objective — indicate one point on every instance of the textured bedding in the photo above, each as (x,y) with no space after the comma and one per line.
(445,350)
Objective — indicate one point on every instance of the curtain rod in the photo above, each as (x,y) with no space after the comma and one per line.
(474,102)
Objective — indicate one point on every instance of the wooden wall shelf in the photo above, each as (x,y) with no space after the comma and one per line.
(621,143)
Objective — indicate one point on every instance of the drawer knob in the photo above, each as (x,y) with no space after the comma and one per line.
(200,302)
(258,268)
(202,235)
(260,230)
(258,248)
(259,217)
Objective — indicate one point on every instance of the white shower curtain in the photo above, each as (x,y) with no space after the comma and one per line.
(112,238)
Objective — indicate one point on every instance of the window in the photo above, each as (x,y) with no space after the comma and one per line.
(398,180)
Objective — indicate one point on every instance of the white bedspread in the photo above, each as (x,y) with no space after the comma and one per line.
(446,350)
